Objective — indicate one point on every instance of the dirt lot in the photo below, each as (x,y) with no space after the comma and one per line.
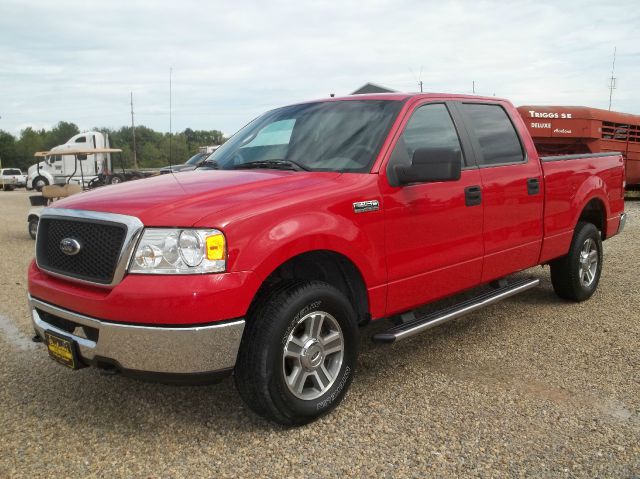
(532,386)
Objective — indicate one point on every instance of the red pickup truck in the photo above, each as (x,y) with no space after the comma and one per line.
(311,221)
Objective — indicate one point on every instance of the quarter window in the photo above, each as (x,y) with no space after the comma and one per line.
(499,142)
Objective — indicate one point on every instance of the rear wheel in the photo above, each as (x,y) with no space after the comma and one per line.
(298,353)
(576,275)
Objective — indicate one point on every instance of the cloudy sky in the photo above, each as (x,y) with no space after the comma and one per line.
(78,61)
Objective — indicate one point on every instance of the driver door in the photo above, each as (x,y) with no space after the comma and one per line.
(433,231)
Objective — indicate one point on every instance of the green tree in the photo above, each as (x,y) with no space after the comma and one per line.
(8,150)
(152,147)
(60,134)
(30,141)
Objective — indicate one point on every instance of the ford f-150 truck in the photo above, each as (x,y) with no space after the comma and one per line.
(319,218)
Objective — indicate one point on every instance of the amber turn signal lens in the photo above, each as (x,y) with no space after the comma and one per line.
(215,247)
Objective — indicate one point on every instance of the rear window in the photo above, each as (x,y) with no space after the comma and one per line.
(12,172)
(499,142)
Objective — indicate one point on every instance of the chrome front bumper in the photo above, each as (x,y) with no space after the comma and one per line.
(188,350)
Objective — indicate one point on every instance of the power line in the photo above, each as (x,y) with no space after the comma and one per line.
(170,126)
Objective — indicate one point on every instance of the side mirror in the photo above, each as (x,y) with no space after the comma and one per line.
(431,165)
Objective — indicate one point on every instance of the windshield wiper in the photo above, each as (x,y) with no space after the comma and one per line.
(276,164)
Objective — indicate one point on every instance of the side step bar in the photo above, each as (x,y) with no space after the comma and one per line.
(428,321)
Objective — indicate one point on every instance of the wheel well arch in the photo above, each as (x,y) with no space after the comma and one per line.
(595,212)
(322,265)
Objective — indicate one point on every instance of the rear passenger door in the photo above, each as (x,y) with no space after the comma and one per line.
(511,190)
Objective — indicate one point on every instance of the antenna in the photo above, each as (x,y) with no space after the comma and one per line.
(133,131)
(418,79)
(170,126)
(612,80)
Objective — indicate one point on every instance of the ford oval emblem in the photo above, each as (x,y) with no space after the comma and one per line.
(70,246)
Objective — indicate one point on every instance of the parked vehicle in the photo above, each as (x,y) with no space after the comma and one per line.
(11,178)
(196,161)
(192,163)
(59,164)
(321,217)
(564,130)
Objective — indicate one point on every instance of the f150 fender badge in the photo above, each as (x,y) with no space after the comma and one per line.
(364,206)
(70,246)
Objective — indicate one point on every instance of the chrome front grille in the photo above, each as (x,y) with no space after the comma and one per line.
(104,244)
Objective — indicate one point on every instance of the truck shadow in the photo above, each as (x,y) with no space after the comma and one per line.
(89,399)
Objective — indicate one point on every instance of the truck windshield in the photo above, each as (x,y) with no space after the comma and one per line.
(343,136)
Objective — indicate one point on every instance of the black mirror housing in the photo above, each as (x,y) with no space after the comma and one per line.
(431,165)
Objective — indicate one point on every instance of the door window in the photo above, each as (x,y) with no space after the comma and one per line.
(430,126)
(499,142)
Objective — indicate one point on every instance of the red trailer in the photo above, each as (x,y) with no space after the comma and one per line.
(562,130)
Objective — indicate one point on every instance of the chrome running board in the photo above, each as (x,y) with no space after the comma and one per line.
(428,321)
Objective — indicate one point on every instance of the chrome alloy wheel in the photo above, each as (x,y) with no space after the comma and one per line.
(313,355)
(588,262)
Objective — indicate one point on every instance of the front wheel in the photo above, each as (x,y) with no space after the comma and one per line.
(116,179)
(576,275)
(39,183)
(33,227)
(298,353)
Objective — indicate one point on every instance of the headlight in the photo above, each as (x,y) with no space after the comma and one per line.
(179,251)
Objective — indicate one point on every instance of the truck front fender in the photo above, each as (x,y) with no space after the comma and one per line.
(264,250)
(262,247)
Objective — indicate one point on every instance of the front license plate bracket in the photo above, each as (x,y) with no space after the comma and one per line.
(62,350)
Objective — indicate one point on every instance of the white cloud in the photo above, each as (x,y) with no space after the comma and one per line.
(77,61)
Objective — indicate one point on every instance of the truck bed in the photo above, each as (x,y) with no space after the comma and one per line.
(573,180)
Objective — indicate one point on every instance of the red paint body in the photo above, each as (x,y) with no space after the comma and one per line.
(421,245)
(562,130)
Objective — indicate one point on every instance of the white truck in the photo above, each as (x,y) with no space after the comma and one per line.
(58,168)
(11,178)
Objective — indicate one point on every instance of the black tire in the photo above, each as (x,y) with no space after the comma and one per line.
(95,183)
(33,227)
(39,182)
(569,281)
(261,366)
(116,179)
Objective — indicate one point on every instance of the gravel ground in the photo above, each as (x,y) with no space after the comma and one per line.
(533,386)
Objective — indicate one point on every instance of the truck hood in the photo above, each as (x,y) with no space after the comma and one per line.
(182,200)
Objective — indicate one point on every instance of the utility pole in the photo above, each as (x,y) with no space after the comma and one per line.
(473,87)
(612,80)
(170,126)
(133,131)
